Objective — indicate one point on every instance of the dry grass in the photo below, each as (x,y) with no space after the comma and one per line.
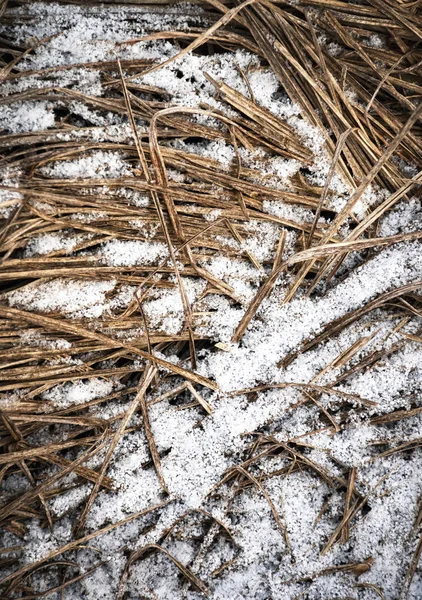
(384,120)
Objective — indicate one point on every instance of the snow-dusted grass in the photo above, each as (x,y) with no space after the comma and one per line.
(281,462)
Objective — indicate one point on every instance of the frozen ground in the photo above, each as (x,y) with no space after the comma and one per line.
(296,473)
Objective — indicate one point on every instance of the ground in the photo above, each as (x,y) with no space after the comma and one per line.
(210,303)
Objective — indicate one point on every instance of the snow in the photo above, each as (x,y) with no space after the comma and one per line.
(281,329)
(21,117)
(403,218)
(119,253)
(165,309)
(69,394)
(9,199)
(52,242)
(71,297)
(97,165)
(197,449)
(34,338)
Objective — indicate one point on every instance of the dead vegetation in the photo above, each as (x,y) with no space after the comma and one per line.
(366,102)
